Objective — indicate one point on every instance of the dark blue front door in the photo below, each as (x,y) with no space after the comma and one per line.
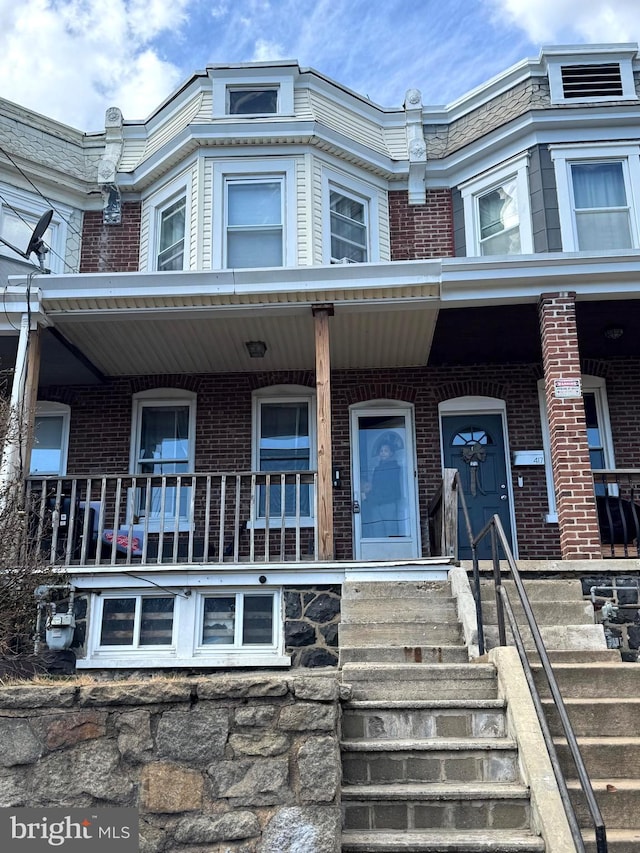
(474,444)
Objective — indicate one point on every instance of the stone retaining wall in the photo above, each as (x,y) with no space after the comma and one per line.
(238,763)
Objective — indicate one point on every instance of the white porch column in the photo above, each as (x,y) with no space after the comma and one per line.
(24,389)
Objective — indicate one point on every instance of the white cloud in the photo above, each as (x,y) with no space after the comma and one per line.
(581,20)
(71,59)
(266,51)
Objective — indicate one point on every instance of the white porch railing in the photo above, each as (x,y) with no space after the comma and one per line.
(249,517)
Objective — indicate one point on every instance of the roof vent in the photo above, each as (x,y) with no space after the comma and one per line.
(592,81)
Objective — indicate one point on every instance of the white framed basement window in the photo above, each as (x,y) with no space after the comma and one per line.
(597,199)
(255,225)
(238,620)
(497,210)
(599,435)
(163,442)
(19,214)
(135,621)
(350,219)
(50,439)
(284,439)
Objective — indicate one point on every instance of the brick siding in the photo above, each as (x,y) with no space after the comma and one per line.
(575,500)
(111,248)
(421,230)
(101,428)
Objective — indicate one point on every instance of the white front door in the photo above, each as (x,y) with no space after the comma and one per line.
(385,520)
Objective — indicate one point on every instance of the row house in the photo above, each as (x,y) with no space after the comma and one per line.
(273,313)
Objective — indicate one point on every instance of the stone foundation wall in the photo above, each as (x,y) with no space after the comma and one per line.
(312,614)
(622,619)
(224,764)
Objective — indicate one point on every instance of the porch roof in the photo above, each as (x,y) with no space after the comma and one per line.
(384,313)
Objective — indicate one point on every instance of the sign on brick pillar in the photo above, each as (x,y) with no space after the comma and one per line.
(570,463)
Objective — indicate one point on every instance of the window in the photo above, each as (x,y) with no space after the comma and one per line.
(249,101)
(163,444)
(50,439)
(348,228)
(239,619)
(284,440)
(136,621)
(254,92)
(171,233)
(19,214)
(497,211)
(595,196)
(598,426)
(255,222)
(350,219)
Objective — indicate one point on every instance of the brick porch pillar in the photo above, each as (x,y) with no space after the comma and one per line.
(575,500)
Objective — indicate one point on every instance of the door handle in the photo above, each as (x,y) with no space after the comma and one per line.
(356,507)
(503,497)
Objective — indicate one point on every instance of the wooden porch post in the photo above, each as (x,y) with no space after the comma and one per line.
(31,396)
(321,315)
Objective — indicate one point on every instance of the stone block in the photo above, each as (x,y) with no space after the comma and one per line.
(267,743)
(308,717)
(303,830)
(241,687)
(134,735)
(74,727)
(430,816)
(233,826)
(423,769)
(91,769)
(149,692)
(195,735)
(255,715)
(316,688)
(257,782)
(319,770)
(390,816)
(170,789)
(323,608)
(19,743)
(453,725)
(30,696)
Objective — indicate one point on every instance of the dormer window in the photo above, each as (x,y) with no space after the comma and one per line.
(252,101)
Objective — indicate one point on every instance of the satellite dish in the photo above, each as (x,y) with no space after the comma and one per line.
(36,243)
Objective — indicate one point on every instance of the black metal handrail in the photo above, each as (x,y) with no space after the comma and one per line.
(494,528)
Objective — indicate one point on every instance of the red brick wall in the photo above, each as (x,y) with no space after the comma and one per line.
(101,426)
(111,248)
(421,230)
(575,501)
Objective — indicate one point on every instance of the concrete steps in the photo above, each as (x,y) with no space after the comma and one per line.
(603,704)
(427,764)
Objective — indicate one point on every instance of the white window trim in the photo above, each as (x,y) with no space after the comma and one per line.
(564,156)
(225,79)
(46,409)
(161,397)
(34,207)
(283,394)
(557,63)
(157,203)
(135,647)
(186,649)
(471,190)
(590,384)
(361,192)
(201,648)
(259,170)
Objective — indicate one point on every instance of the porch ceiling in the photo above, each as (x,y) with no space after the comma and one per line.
(215,342)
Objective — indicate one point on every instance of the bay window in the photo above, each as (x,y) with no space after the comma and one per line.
(171,235)
(596,197)
(348,228)
(497,210)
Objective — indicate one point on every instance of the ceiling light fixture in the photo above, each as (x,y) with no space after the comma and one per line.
(256,349)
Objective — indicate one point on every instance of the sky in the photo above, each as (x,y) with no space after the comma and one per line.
(72,59)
